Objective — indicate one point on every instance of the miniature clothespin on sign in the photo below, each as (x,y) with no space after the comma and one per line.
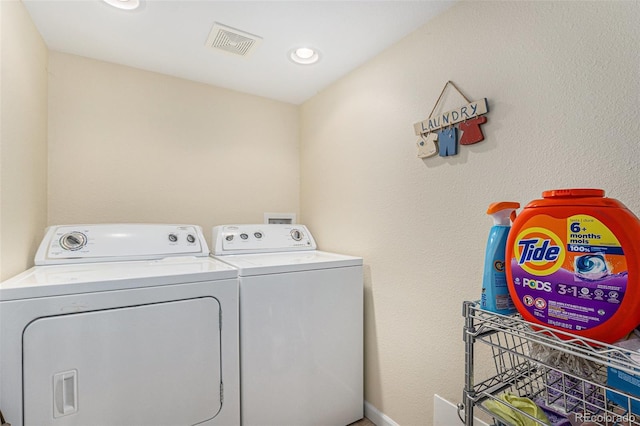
(438,134)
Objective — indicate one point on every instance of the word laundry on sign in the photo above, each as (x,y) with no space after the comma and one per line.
(450,118)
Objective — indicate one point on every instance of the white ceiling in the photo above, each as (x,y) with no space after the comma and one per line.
(168,36)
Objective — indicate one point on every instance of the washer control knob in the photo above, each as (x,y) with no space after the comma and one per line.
(173,238)
(296,234)
(229,237)
(244,236)
(191,239)
(73,241)
(258,235)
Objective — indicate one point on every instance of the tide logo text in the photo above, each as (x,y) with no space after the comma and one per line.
(537,285)
(533,251)
(539,251)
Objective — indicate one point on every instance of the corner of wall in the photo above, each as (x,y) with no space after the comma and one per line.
(23,138)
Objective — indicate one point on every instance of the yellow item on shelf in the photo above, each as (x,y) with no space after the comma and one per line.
(505,411)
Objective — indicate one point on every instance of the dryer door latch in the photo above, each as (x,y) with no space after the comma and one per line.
(65,393)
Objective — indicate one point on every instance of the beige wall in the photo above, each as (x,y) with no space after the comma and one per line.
(563,83)
(23,138)
(135,146)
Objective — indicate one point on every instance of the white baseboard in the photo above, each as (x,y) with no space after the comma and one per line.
(445,413)
(377,417)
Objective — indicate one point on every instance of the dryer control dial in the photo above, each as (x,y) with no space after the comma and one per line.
(296,234)
(73,241)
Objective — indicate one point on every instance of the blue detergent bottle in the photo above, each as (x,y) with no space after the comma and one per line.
(495,292)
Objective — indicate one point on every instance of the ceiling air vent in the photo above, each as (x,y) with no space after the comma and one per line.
(231,40)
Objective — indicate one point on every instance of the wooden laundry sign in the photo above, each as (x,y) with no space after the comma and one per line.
(440,135)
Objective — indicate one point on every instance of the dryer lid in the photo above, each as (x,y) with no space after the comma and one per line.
(284,262)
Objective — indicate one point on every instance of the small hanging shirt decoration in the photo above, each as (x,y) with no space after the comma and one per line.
(439,134)
(428,145)
(471,131)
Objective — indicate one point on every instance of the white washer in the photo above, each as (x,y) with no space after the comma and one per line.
(121,324)
(301,326)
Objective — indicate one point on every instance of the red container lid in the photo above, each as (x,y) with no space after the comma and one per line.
(573,193)
(574,197)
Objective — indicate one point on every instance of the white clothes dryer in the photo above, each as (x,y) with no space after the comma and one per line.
(301,326)
(121,324)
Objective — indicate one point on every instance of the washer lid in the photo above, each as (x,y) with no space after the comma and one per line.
(56,280)
(278,263)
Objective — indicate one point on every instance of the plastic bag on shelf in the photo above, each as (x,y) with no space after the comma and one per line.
(570,363)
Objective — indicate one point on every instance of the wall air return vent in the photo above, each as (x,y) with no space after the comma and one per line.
(231,40)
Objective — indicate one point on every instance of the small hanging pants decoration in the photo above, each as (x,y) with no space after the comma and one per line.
(439,134)
(447,141)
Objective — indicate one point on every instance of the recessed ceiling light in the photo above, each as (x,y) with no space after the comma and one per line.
(124,4)
(304,55)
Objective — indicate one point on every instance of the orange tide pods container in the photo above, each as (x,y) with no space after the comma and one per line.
(573,263)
